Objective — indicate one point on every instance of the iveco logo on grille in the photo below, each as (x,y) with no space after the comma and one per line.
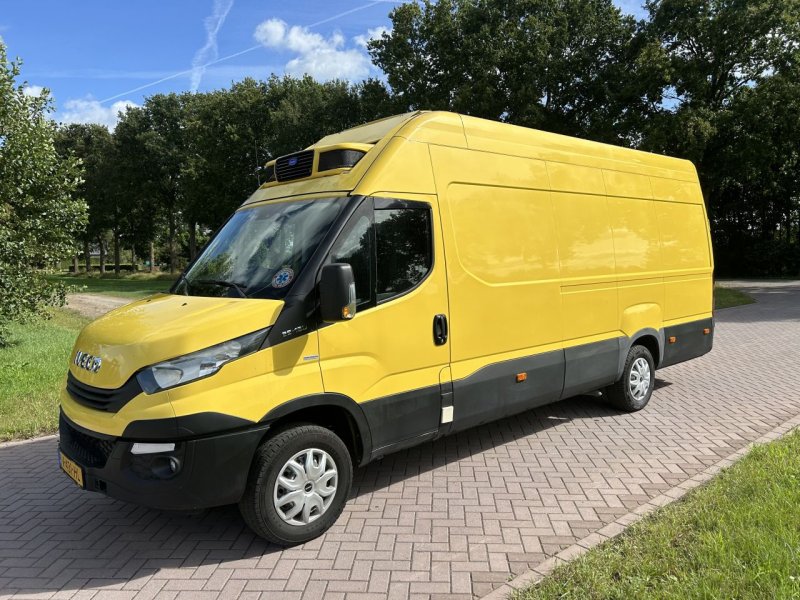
(292,161)
(87,361)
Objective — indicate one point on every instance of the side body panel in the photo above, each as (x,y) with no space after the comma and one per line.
(503,280)
(558,263)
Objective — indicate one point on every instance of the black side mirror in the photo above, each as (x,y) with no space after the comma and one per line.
(337,292)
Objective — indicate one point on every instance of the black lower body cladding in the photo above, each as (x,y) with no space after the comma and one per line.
(212,470)
(690,341)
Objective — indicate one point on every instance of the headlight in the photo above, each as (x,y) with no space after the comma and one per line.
(189,367)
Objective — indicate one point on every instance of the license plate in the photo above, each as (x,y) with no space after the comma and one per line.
(72,469)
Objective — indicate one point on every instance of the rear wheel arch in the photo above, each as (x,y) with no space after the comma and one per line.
(653,342)
(652,339)
(336,412)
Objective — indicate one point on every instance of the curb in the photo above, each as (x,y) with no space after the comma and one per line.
(52,436)
(613,529)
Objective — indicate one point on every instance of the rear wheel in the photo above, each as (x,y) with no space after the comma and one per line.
(632,391)
(298,485)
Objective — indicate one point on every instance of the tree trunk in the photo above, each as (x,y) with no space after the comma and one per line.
(75,264)
(152,257)
(102,255)
(116,253)
(133,260)
(87,257)
(173,259)
(192,241)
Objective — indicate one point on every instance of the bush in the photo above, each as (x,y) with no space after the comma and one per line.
(747,257)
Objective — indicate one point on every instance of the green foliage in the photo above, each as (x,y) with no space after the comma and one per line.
(232,132)
(737,537)
(40,214)
(570,66)
(92,145)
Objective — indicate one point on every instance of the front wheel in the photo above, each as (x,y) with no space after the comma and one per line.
(298,485)
(632,391)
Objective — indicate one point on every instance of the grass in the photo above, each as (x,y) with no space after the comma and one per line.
(736,537)
(727,297)
(127,286)
(33,367)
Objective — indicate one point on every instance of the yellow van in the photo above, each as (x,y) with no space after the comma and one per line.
(391,284)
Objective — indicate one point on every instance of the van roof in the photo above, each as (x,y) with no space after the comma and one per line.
(368,133)
(455,130)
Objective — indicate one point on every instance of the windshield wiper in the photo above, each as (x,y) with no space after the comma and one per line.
(228,284)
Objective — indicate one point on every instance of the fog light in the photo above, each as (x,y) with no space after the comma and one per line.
(174,465)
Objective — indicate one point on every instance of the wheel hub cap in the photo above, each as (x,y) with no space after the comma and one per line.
(639,379)
(306,487)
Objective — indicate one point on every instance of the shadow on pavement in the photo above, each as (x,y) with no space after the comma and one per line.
(56,537)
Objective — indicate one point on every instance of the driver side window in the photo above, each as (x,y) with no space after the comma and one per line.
(355,246)
(389,245)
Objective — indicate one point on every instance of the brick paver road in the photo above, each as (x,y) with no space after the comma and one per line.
(453,518)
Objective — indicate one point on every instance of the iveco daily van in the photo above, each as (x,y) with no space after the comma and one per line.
(391,284)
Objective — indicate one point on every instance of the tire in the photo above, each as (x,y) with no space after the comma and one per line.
(624,394)
(278,456)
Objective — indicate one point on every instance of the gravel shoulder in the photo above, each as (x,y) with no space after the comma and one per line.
(94,305)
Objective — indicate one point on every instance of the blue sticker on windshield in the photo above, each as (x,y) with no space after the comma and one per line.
(283,278)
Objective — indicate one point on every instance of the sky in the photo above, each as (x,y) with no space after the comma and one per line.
(97,57)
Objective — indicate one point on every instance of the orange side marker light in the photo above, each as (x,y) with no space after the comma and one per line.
(521,377)
(672,339)
(707,330)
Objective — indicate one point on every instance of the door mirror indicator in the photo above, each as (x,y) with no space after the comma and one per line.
(337,293)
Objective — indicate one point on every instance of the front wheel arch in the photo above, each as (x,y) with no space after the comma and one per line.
(337,412)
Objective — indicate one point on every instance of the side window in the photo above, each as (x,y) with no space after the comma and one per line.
(404,249)
(355,246)
(390,248)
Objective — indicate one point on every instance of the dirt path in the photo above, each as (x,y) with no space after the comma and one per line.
(94,305)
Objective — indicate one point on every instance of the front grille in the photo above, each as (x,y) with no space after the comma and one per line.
(102,398)
(294,166)
(88,450)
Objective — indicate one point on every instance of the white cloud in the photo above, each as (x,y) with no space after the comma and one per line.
(322,58)
(372,34)
(208,52)
(632,7)
(89,110)
(32,90)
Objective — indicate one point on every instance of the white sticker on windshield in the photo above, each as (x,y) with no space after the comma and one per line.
(283,277)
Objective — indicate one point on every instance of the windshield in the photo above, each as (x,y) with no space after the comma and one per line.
(260,251)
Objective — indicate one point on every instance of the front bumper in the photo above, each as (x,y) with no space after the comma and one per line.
(213,469)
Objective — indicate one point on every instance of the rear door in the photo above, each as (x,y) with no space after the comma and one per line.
(391,355)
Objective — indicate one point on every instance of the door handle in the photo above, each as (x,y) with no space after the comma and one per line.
(440,330)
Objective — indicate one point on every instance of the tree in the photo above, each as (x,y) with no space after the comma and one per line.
(570,66)
(229,133)
(92,144)
(713,50)
(756,187)
(226,135)
(150,153)
(40,214)
(729,66)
